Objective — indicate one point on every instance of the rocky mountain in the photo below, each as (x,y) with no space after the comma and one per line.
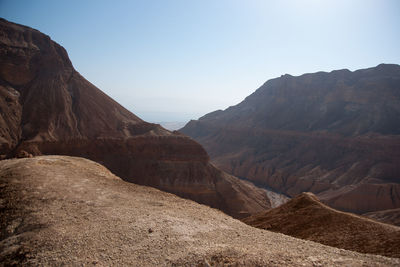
(47,107)
(65,211)
(387,216)
(335,134)
(307,218)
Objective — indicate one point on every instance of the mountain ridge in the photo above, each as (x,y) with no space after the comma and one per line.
(306,217)
(335,134)
(49,108)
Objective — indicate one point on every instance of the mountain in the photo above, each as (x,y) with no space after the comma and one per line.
(47,107)
(307,218)
(66,211)
(387,216)
(335,134)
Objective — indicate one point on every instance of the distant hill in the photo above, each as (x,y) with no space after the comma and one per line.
(307,218)
(388,216)
(47,107)
(65,211)
(335,134)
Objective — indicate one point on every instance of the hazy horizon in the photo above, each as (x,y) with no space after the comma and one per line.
(172,61)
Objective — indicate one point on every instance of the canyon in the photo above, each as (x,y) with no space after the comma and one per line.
(75,167)
(334,134)
(47,107)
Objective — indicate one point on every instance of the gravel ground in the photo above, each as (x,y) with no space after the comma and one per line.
(58,210)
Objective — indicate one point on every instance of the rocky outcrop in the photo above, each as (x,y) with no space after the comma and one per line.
(334,134)
(47,107)
(10,119)
(307,218)
(65,211)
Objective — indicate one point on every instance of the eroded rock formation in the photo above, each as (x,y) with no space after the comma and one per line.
(334,134)
(47,107)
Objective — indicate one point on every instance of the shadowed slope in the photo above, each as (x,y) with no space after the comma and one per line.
(63,211)
(387,216)
(47,107)
(307,218)
(335,134)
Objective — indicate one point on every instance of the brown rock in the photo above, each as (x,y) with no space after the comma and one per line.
(335,134)
(387,216)
(64,211)
(307,218)
(49,108)
(23,154)
(10,118)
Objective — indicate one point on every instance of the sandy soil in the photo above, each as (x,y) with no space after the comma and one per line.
(58,210)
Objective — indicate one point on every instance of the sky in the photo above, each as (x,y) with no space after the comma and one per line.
(176,60)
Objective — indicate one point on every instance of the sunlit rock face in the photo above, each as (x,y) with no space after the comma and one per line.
(335,134)
(70,211)
(47,107)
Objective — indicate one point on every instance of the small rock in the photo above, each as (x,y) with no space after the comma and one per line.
(23,154)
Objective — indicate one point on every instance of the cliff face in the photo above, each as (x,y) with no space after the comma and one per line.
(334,134)
(55,101)
(49,108)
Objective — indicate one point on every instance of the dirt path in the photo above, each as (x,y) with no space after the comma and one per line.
(58,210)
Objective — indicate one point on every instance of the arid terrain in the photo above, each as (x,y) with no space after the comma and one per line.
(75,167)
(388,216)
(307,218)
(336,134)
(58,210)
(47,107)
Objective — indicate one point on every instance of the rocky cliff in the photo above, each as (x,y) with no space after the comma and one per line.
(335,134)
(47,107)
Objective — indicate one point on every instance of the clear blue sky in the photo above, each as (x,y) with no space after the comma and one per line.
(177,60)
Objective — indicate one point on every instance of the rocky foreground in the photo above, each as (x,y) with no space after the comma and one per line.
(58,210)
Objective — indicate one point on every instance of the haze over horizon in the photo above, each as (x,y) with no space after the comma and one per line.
(178,60)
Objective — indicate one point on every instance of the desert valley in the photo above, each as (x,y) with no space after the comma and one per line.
(305,171)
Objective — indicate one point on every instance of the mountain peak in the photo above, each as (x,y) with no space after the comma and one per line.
(47,107)
(306,197)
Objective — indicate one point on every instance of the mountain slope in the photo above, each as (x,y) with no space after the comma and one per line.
(47,107)
(334,134)
(58,210)
(307,218)
(387,216)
